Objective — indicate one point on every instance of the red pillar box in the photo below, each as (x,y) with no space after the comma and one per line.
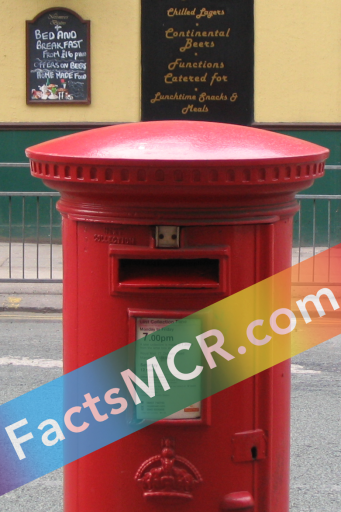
(162,219)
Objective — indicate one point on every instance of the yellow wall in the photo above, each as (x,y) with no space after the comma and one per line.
(115,62)
(297,61)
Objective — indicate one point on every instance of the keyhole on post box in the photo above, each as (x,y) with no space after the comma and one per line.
(254,452)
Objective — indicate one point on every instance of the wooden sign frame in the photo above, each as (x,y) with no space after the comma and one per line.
(55,73)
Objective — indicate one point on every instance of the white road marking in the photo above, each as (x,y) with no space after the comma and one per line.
(26,361)
(55,363)
(297,368)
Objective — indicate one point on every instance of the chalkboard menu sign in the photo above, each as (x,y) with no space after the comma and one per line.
(57,58)
(197,60)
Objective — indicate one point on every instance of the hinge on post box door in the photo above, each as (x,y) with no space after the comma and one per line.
(167,236)
(241,501)
(249,446)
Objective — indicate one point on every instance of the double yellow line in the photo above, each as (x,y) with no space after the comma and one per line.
(31,316)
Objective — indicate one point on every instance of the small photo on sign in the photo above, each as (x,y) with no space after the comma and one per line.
(57,58)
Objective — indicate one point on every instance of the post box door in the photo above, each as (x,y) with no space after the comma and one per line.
(228,448)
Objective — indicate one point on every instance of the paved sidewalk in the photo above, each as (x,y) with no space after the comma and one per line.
(47,297)
(306,252)
(33,262)
(31,297)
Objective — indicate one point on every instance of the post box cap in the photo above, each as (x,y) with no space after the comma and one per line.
(180,141)
(172,144)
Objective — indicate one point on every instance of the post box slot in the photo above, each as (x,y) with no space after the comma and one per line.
(201,270)
(168,273)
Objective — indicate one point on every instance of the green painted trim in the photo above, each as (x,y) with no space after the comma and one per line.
(53,126)
(277,127)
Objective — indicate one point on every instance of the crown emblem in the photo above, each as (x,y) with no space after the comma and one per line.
(168,475)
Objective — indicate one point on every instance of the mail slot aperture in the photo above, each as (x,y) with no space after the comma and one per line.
(149,269)
(174,273)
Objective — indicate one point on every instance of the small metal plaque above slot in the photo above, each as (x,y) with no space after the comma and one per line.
(167,236)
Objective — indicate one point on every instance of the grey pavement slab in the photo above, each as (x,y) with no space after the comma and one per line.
(30,260)
(304,253)
(45,303)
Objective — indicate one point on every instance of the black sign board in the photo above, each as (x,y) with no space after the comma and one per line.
(197,60)
(57,58)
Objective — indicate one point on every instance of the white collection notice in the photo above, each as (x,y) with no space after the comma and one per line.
(159,344)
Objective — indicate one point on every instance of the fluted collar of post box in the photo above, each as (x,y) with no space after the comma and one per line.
(248,154)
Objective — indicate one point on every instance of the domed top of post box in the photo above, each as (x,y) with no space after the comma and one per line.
(150,152)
